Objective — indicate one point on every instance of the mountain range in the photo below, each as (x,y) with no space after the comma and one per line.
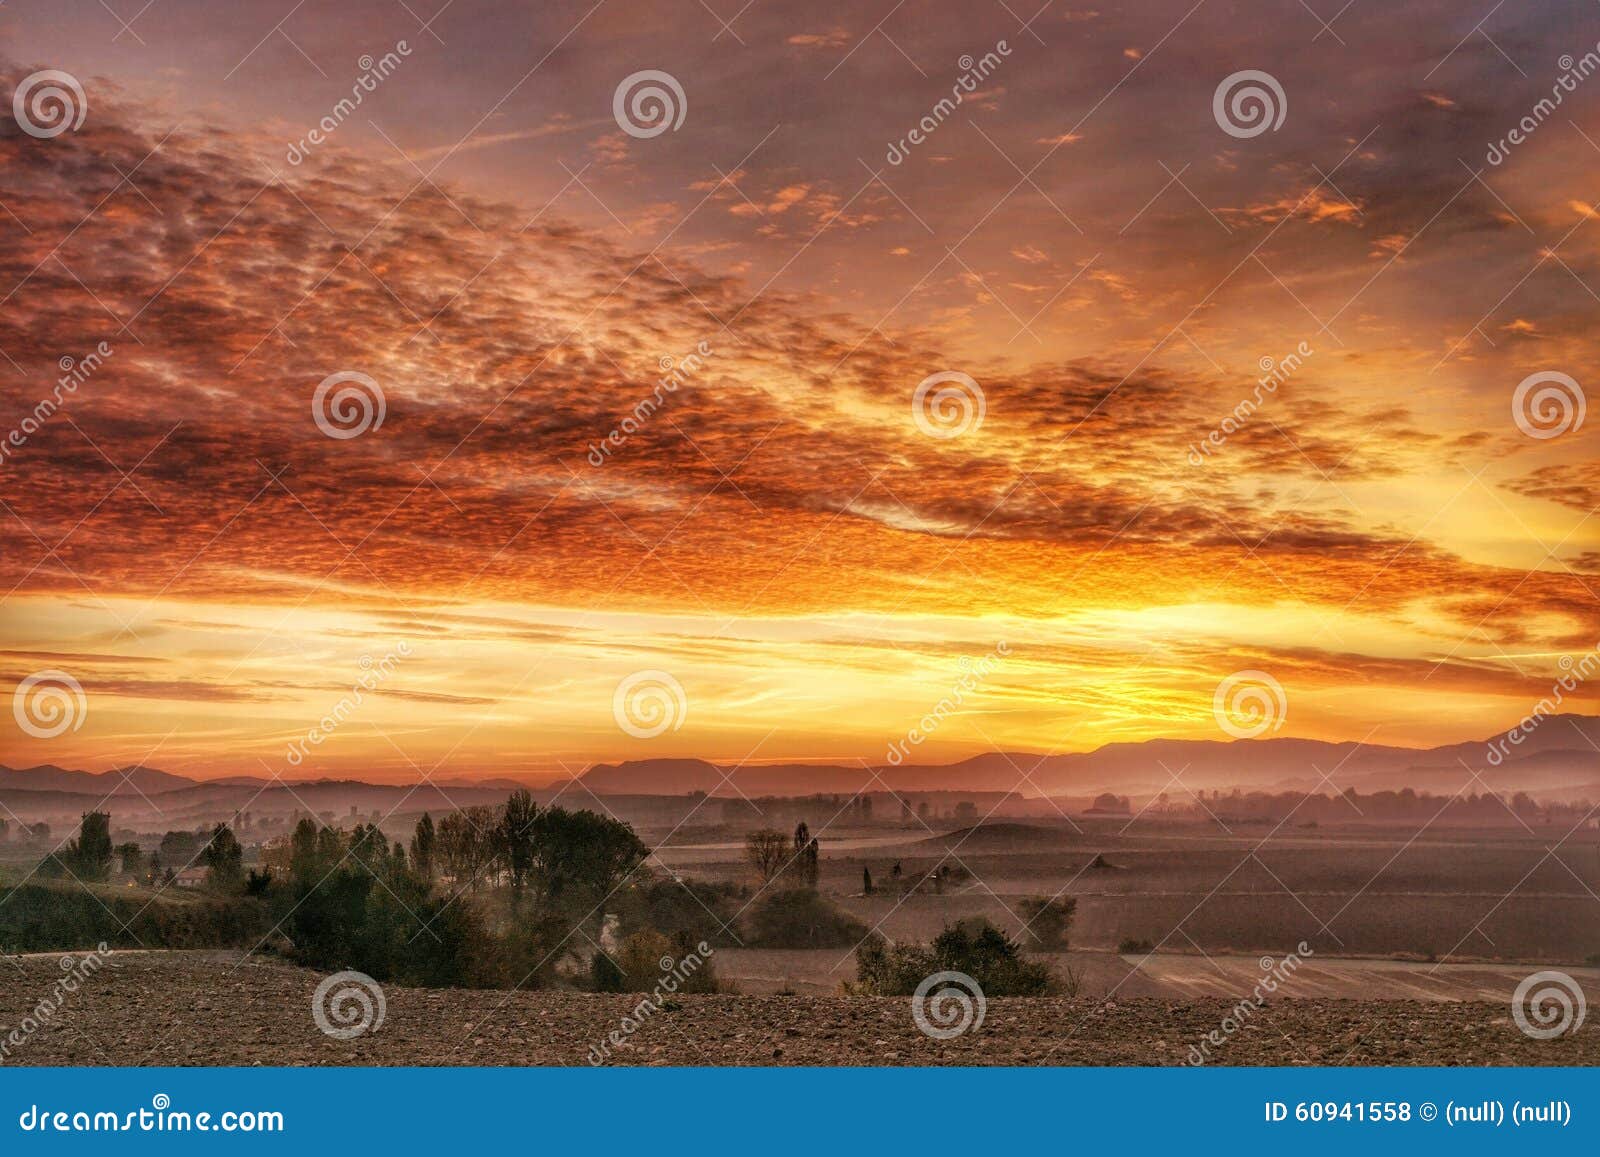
(1558,758)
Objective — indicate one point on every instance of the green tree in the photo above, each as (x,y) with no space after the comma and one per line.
(582,852)
(91,855)
(225,859)
(305,860)
(179,847)
(423,845)
(515,836)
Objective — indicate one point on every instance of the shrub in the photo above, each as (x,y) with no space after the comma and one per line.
(1049,922)
(702,910)
(975,947)
(1132,947)
(648,960)
(800,918)
(43,917)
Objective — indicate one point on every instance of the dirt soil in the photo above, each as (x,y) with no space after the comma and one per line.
(186,1008)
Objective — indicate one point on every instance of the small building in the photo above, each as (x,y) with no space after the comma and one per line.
(191,878)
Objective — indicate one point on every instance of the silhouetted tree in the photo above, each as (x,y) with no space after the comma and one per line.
(423,844)
(582,852)
(767,852)
(89,856)
(866,880)
(805,855)
(515,836)
(225,858)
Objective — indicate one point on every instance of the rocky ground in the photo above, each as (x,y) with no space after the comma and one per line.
(213,1009)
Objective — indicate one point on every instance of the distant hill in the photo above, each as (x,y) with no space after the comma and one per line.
(1562,753)
(122,781)
(1558,759)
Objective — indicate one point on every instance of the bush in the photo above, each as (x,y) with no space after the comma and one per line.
(700,910)
(800,918)
(647,959)
(1049,922)
(41,917)
(1132,947)
(975,947)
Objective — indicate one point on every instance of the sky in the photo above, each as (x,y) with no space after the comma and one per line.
(623,380)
